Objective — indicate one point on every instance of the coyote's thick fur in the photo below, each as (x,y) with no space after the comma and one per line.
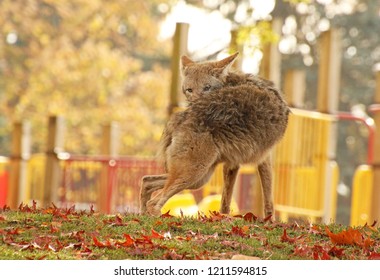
(231,118)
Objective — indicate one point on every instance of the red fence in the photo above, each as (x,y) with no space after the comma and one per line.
(84,176)
(3,180)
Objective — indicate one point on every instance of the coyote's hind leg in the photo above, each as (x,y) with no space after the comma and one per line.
(150,184)
(229,176)
(265,171)
(175,184)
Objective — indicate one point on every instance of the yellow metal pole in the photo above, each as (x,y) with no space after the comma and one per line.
(236,47)
(179,49)
(20,153)
(329,72)
(375,203)
(55,142)
(270,66)
(294,87)
(328,102)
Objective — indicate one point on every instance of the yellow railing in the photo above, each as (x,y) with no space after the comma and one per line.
(361,195)
(305,178)
(35,185)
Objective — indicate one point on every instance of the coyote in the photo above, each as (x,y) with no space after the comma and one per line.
(231,118)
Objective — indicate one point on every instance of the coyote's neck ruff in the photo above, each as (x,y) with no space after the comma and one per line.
(231,118)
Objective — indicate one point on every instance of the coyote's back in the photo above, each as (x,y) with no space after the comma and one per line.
(244,121)
(232,118)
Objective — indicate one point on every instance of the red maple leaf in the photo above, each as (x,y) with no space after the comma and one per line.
(128,241)
(269,218)
(319,253)
(302,250)
(286,238)
(156,235)
(24,208)
(374,256)
(116,221)
(166,215)
(54,229)
(97,243)
(349,237)
(240,231)
(15,231)
(6,208)
(250,217)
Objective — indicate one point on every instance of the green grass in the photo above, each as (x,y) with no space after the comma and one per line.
(67,234)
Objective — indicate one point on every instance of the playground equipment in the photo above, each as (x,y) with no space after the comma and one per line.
(305,177)
(4,162)
(361,196)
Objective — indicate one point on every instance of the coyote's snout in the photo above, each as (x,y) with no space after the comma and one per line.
(232,118)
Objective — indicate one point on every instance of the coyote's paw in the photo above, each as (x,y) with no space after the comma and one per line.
(152,209)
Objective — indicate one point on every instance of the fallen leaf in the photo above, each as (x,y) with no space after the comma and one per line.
(249,217)
(116,221)
(319,253)
(240,231)
(156,235)
(315,229)
(349,237)
(374,256)
(269,218)
(173,255)
(39,258)
(34,206)
(166,215)
(99,244)
(336,252)
(244,257)
(302,250)
(53,229)
(15,231)
(128,241)
(286,238)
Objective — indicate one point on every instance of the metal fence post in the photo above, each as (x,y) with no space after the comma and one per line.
(110,146)
(20,153)
(55,142)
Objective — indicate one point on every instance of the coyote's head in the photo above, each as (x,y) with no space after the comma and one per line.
(199,78)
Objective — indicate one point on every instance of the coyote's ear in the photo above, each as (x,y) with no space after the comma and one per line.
(185,61)
(224,65)
(226,62)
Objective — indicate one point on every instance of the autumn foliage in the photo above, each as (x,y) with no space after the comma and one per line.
(66,233)
(92,62)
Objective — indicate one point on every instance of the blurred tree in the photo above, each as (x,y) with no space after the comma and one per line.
(90,61)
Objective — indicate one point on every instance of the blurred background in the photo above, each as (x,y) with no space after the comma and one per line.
(97,61)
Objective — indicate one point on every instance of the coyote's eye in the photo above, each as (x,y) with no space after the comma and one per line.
(207,88)
(189,90)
